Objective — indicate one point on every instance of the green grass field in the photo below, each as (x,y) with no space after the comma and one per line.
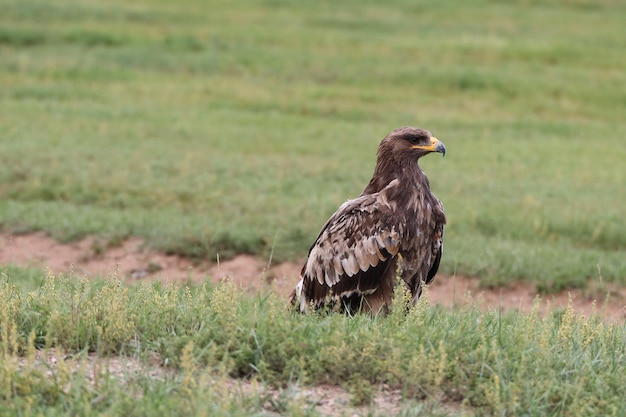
(238,127)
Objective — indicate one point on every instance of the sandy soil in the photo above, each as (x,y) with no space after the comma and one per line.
(135,261)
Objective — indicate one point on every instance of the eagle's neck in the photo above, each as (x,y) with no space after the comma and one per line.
(409,173)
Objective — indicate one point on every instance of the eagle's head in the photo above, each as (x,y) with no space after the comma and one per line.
(409,143)
(398,154)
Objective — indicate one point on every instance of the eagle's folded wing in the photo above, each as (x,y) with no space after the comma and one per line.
(353,251)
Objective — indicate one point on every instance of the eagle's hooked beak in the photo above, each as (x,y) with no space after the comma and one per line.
(435,146)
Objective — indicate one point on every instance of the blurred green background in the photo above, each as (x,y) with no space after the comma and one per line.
(240,126)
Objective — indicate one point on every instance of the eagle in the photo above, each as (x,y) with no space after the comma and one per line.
(396,224)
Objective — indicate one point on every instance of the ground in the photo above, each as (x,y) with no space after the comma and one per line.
(329,401)
(135,261)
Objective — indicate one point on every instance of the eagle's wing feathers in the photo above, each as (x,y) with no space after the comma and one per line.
(353,251)
(437,251)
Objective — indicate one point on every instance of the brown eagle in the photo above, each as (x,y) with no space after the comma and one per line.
(396,222)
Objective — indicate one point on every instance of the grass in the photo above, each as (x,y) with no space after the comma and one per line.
(240,127)
(206,339)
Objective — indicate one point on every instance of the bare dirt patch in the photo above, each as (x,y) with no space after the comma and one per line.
(133,260)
